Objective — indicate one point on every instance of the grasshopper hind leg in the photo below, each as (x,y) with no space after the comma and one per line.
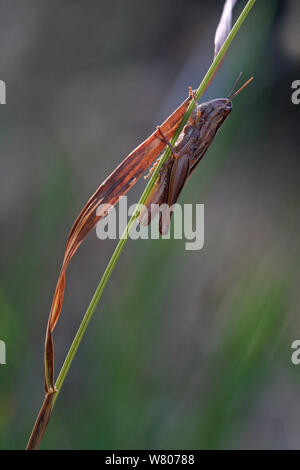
(177,179)
(157,196)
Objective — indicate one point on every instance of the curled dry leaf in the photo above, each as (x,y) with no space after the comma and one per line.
(109,192)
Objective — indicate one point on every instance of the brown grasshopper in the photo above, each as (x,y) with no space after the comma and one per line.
(194,140)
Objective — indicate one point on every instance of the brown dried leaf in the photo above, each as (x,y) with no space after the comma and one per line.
(109,192)
(41,422)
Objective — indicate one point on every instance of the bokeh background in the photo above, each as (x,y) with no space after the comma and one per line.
(186,349)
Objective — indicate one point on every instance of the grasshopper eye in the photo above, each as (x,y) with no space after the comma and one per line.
(228,105)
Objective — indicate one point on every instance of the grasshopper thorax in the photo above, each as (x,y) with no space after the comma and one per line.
(216,110)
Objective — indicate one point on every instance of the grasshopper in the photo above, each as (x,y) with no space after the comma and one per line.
(193,142)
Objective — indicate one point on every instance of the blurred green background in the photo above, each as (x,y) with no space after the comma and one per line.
(187,349)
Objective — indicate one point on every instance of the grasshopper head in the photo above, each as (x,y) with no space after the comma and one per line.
(216,111)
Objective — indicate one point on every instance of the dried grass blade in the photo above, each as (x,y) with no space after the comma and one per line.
(109,192)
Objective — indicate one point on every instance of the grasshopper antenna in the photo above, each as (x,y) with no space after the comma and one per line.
(233,95)
(235,84)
